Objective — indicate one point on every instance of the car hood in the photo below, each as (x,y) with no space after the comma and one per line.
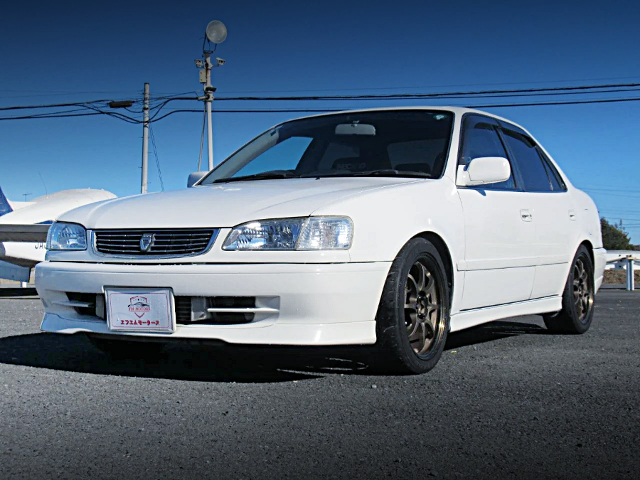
(227,204)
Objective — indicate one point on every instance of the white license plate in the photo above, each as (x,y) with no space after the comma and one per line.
(140,309)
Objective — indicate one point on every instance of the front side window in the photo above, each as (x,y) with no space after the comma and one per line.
(480,139)
(526,156)
(412,143)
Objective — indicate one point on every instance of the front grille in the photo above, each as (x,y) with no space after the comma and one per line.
(163,242)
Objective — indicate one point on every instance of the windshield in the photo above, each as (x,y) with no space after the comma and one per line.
(412,143)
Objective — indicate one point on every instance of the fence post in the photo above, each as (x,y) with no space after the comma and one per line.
(630,274)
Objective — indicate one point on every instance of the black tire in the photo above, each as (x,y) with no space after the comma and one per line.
(577,298)
(412,322)
(126,349)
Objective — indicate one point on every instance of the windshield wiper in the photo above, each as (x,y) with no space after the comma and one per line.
(383,172)
(259,176)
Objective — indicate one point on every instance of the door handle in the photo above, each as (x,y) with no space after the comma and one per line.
(526,215)
(572,215)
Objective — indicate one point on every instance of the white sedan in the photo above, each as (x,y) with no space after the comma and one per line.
(390,227)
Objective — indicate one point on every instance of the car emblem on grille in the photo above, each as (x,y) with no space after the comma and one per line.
(146,242)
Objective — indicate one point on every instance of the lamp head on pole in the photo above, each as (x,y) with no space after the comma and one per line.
(216,32)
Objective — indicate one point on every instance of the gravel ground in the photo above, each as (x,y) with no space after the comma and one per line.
(507,400)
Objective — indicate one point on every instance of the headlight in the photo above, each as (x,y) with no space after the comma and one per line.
(313,233)
(66,236)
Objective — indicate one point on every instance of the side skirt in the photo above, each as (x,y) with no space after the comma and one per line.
(477,316)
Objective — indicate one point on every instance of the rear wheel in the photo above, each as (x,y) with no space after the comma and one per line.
(577,298)
(412,322)
(123,349)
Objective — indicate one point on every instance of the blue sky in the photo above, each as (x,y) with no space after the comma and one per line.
(75,51)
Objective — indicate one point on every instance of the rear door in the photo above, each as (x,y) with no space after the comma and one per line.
(552,211)
(500,258)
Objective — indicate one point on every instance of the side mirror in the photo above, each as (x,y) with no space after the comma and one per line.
(484,171)
(194,177)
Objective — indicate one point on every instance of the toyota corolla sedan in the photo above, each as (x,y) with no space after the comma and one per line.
(387,227)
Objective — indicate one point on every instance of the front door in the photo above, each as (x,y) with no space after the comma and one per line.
(500,257)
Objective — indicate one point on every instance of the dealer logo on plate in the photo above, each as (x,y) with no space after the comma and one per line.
(139,306)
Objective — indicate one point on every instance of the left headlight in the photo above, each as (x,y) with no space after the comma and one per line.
(311,233)
(66,236)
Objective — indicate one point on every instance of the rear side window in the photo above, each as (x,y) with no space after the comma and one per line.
(528,160)
(480,139)
(554,176)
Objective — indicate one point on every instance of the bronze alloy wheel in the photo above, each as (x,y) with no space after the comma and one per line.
(412,322)
(422,315)
(577,298)
(582,290)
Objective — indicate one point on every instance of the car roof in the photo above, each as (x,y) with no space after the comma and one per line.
(458,111)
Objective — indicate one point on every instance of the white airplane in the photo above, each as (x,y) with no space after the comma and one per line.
(24,226)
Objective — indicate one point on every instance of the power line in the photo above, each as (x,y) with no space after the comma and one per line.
(401,96)
(441,86)
(52,105)
(306,110)
(53,115)
(337,109)
(412,96)
(98,106)
(155,152)
(570,102)
(204,122)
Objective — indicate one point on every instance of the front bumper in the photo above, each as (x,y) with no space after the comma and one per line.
(317,304)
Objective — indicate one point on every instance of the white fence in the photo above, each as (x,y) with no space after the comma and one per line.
(618,259)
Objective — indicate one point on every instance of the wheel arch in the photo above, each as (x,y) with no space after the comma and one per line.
(445,255)
(589,246)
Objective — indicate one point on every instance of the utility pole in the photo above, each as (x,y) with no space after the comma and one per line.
(208,100)
(145,140)
(215,33)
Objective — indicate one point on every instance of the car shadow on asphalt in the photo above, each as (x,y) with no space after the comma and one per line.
(490,332)
(18,292)
(74,353)
(239,364)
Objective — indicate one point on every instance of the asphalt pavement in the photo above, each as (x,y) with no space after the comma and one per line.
(507,400)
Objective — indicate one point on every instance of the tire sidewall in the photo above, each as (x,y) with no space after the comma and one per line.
(580,326)
(391,327)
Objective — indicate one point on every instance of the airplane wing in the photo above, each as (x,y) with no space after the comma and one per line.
(24,227)
(24,233)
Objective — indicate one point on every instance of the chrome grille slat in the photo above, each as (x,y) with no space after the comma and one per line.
(167,242)
(163,237)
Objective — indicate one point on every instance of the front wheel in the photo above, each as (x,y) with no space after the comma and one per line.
(577,298)
(412,322)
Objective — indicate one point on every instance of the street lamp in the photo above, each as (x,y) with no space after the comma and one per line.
(215,33)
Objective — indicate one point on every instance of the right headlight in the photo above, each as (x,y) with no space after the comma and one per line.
(66,236)
(311,233)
